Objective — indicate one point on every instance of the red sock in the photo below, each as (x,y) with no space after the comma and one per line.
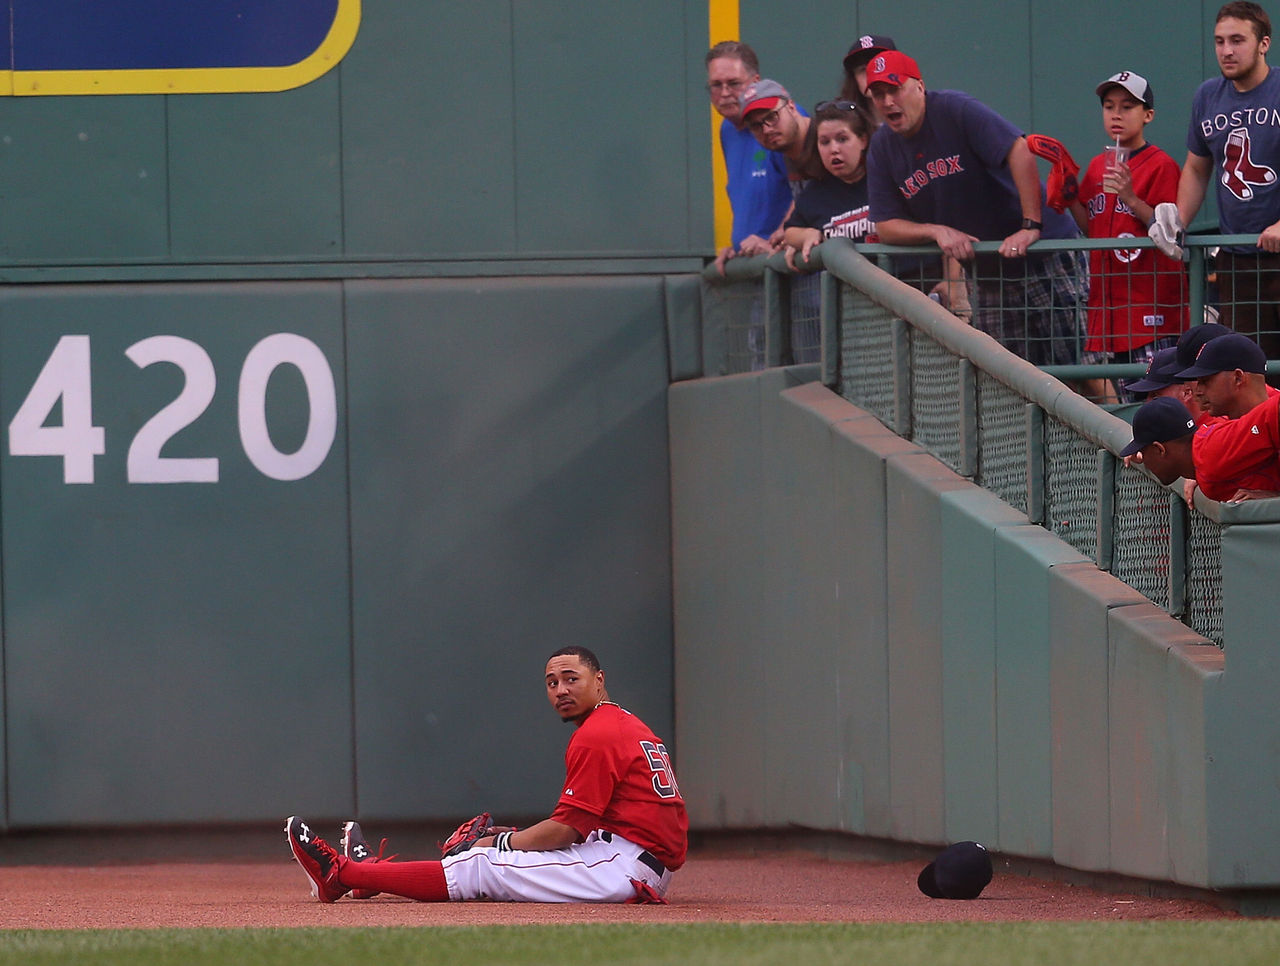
(423,881)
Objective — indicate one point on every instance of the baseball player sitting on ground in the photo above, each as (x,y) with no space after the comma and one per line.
(617,833)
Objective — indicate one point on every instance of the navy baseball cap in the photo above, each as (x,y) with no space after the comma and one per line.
(1161,373)
(866,47)
(1225,353)
(1159,420)
(960,871)
(1189,342)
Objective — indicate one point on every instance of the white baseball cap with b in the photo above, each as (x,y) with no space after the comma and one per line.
(1135,84)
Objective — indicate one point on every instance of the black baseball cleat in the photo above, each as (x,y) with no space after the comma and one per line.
(355,848)
(319,860)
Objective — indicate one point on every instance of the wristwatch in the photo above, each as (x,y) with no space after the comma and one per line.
(1028,223)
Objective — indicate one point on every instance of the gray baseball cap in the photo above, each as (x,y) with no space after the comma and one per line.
(763,95)
(1135,84)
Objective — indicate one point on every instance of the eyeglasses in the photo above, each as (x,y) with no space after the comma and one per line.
(838,105)
(715,87)
(768,120)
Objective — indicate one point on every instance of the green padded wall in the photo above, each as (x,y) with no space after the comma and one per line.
(1242,703)
(916,615)
(970,520)
(862,448)
(169,647)
(1081,599)
(509,495)
(495,486)
(985,679)
(716,484)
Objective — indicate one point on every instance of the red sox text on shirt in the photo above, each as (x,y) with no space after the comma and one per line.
(930,172)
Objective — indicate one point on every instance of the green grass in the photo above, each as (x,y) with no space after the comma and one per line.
(1213,943)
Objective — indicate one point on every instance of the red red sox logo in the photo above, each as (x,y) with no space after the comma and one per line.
(1239,172)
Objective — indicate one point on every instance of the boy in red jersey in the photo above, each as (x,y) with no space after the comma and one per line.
(1137,296)
(617,832)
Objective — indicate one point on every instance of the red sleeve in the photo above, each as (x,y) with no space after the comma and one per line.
(1233,453)
(591,771)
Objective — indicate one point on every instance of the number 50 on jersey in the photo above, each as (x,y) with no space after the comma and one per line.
(66,381)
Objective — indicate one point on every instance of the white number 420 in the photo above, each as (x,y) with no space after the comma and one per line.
(66,377)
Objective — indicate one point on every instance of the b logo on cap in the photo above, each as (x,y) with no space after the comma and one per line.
(879,65)
(865,42)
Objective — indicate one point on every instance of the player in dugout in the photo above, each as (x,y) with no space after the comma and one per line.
(618,831)
(1230,459)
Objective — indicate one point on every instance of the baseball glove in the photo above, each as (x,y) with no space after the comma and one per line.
(1167,230)
(467,834)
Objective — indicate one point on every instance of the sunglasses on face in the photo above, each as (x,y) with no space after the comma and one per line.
(767,120)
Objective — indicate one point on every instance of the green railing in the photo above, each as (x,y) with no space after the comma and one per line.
(991,416)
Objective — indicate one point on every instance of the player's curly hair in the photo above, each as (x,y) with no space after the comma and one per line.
(584,654)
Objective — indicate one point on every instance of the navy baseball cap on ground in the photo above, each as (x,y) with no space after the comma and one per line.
(866,47)
(1161,373)
(1226,353)
(960,871)
(1159,420)
(1189,342)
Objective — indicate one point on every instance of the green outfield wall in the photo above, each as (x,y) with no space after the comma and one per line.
(306,545)
(329,412)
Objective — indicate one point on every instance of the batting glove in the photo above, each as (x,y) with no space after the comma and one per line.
(1166,230)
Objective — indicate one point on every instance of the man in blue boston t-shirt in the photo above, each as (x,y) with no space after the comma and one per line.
(1234,137)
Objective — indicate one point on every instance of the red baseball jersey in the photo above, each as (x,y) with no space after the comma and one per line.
(1244,453)
(1135,294)
(618,778)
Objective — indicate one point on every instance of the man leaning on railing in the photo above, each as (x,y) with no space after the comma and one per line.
(968,176)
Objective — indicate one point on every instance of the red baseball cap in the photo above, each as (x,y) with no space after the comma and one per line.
(764,95)
(891,67)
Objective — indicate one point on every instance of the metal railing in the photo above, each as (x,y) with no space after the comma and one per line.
(1011,427)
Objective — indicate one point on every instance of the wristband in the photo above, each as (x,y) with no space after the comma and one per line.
(503,841)
(1029,224)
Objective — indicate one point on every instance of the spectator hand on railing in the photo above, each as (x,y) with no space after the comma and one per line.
(1269,240)
(800,240)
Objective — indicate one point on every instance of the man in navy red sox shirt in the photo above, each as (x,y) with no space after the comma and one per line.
(1234,137)
(946,169)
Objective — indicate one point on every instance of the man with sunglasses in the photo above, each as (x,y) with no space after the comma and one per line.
(780,126)
(757,179)
(772,116)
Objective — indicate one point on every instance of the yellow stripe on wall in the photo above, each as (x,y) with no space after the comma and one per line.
(722,20)
(202,80)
